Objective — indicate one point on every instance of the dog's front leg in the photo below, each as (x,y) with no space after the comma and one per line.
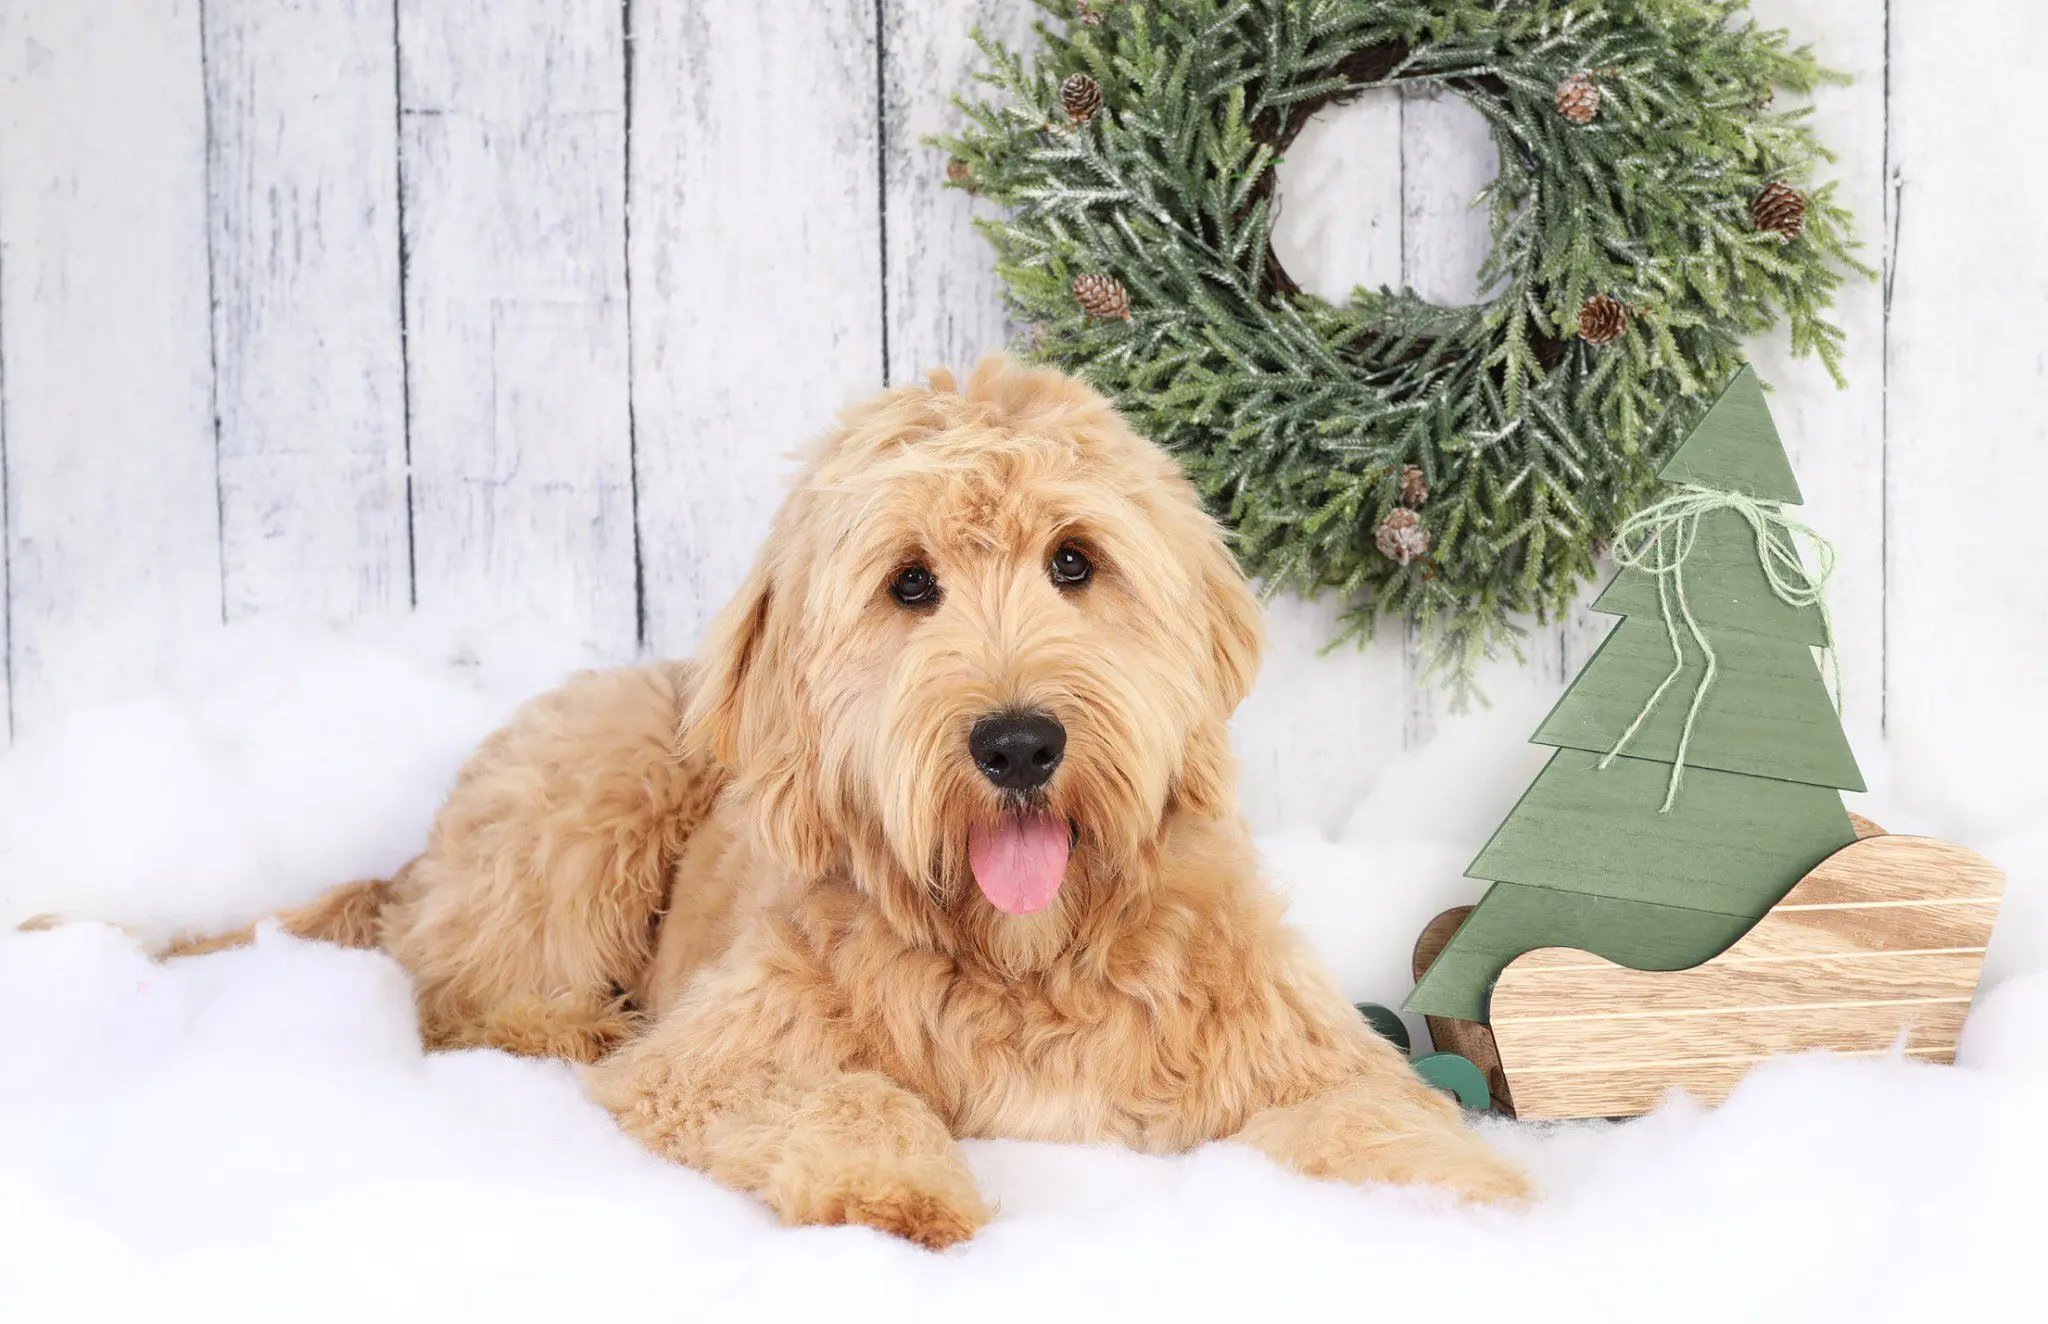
(819,1144)
(1385,1125)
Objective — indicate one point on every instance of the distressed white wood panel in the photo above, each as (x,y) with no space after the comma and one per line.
(1337,201)
(1836,437)
(757,279)
(513,162)
(112,540)
(302,102)
(1447,160)
(1315,732)
(945,306)
(1968,406)
(6,505)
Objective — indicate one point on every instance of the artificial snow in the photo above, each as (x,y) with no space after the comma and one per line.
(257,1135)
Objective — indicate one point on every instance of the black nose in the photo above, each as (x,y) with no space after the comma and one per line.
(1017,750)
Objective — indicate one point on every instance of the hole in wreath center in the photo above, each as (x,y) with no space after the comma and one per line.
(1384,190)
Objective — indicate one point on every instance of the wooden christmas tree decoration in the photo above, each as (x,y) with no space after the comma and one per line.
(1696,780)
(1591,858)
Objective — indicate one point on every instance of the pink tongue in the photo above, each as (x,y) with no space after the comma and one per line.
(1019,863)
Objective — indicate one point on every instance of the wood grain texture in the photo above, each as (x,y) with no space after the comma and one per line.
(757,274)
(1968,413)
(1471,1040)
(1767,712)
(1338,214)
(1881,945)
(1725,588)
(112,539)
(303,174)
(944,303)
(1635,1090)
(1735,447)
(1436,935)
(1731,843)
(513,148)
(1517,918)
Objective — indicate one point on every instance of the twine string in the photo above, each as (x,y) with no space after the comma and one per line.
(1658,540)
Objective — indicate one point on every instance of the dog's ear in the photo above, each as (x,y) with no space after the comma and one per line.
(1236,634)
(1206,784)
(715,720)
(753,721)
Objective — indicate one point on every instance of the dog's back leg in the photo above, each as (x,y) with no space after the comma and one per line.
(536,903)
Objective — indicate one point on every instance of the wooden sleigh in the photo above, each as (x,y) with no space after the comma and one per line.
(1877,950)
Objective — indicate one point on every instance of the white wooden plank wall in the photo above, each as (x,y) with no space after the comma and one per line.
(309,371)
(944,301)
(113,538)
(331,309)
(756,260)
(1966,416)
(512,150)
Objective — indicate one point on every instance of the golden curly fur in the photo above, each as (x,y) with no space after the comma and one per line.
(740,887)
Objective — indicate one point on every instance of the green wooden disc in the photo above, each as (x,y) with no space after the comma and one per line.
(1387,1023)
(1457,1077)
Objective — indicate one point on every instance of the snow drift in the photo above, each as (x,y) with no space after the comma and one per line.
(257,1135)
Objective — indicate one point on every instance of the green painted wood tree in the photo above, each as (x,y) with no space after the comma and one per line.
(1606,851)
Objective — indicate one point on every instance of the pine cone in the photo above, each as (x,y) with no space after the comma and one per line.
(1578,98)
(1082,96)
(1402,537)
(1602,320)
(1414,487)
(1102,297)
(1090,16)
(1780,209)
(958,173)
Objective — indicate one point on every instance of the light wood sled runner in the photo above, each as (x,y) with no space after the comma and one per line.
(1878,948)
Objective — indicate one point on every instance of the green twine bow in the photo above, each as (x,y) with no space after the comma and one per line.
(1657,540)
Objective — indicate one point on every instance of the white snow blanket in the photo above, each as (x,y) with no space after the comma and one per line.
(257,1135)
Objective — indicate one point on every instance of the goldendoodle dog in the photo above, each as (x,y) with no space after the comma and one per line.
(937,838)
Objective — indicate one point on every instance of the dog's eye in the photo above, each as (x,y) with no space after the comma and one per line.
(1069,567)
(914,586)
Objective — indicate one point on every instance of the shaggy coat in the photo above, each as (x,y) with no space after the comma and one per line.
(744,888)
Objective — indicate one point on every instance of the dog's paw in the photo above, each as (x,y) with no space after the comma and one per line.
(1489,1180)
(934,1215)
(928,1218)
(580,1029)
(1456,1161)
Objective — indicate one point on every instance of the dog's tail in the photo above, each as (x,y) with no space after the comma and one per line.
(347,916)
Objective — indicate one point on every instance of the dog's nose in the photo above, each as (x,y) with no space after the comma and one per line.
(1018,751)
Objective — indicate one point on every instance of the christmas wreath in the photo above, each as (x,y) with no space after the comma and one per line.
(1457,466)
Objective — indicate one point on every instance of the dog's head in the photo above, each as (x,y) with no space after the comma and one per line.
(991,645)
